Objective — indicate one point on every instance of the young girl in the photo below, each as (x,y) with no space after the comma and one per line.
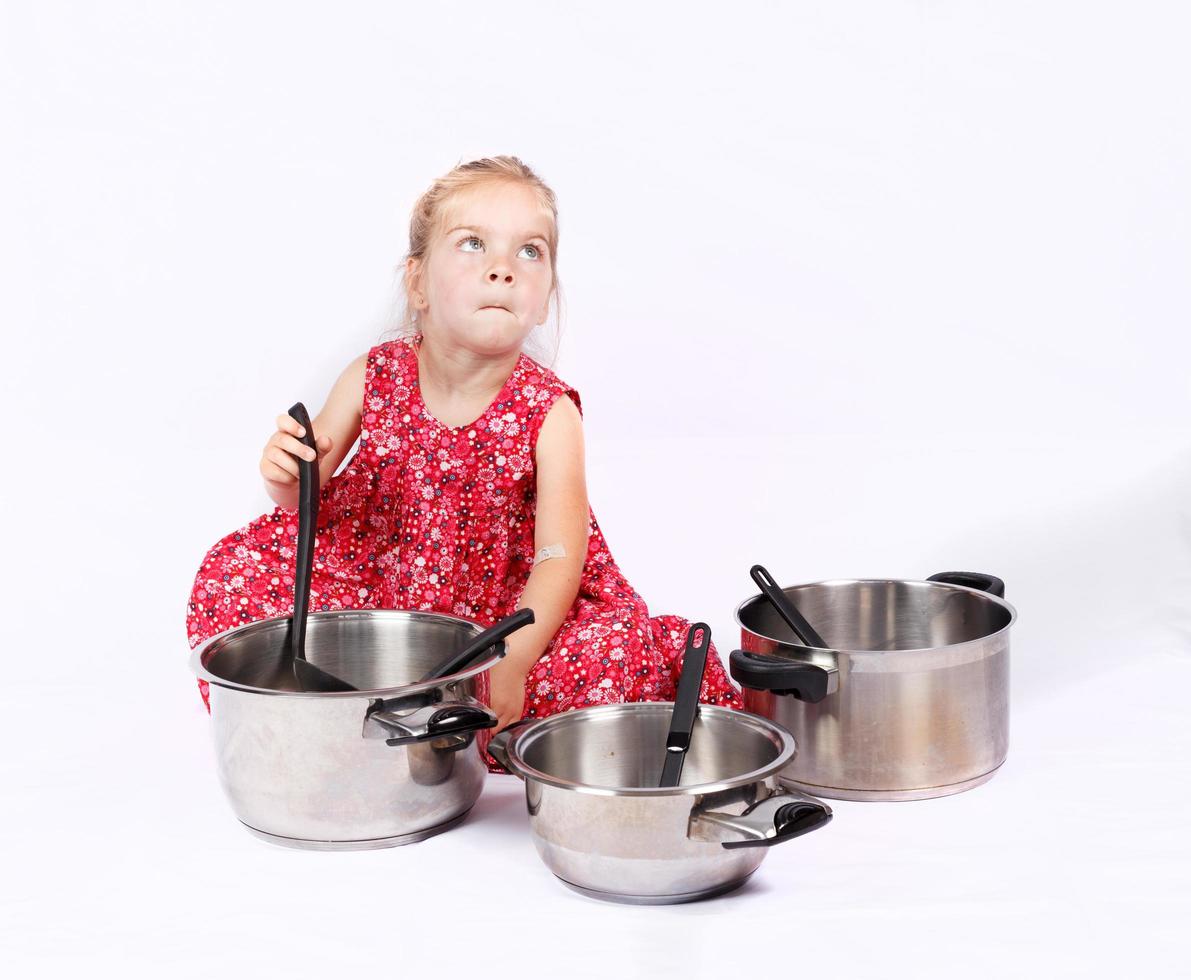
(467,493)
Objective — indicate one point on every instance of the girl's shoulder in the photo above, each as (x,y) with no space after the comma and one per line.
(540,385)
(387,350)
(386,363)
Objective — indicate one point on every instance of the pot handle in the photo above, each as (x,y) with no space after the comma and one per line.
(428,722)
(498,747)
(973,580)
(799,679)
(778,818)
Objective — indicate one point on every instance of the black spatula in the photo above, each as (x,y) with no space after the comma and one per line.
(308,676)
(480,645)
(803,630)
(686,703)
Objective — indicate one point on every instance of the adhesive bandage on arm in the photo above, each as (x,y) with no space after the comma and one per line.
(550,551)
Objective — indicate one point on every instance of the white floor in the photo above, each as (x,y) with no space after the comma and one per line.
(122,855)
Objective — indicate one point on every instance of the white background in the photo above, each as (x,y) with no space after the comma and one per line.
(851,290)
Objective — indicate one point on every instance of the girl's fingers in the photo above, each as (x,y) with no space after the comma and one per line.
(292,445)
(284,460)
(275,474)
(287,423)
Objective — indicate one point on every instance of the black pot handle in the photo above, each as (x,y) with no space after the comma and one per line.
(761,672)
(973,580)
(781,817)
(429,722)
(791,820)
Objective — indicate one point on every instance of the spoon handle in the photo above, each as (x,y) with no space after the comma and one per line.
(788,611)
(307,517)
(481,644)
(686,703)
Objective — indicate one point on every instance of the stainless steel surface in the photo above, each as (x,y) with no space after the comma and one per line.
(360,845)
(891,795)
(601,823)
(423,722)
(760,822)
(307,768)
(922,703)
(676,899)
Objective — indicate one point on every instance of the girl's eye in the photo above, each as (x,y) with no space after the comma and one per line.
(537,252)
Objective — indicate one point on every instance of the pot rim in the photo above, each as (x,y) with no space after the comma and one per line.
(275,622)
(787,748)
(786,644)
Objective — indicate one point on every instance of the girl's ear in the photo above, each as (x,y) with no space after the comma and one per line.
(413,282)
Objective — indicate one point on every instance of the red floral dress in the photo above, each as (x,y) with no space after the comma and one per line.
(432,517)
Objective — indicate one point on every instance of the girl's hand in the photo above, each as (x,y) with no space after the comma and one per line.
(278,464)
(507,692)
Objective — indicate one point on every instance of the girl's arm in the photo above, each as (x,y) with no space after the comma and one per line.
(339,421)
(562,517)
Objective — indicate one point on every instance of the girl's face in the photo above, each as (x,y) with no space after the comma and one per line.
(485,281)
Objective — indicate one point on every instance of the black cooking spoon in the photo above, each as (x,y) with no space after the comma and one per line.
(803,630)
(686,703)
(470,653)
(308,676)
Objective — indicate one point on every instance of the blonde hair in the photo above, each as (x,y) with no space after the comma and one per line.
(430,213)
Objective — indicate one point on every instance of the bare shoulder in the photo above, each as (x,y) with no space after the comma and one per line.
(340,417)
(354,374)
(562,429)
(347,394)
(562,509)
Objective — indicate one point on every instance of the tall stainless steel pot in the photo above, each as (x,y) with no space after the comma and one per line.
(392,763)
(910,702)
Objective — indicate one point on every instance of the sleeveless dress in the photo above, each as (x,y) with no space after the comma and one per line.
(427,516)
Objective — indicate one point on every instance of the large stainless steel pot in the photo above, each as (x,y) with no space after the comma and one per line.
(910,702)
(602,825)
(392,763)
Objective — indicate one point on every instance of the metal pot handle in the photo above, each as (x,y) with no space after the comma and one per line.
(775,819)
(498,747)
(431,721)
(973,580)
(798,678)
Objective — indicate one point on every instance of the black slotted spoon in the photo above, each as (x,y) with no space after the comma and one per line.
(308,676)
(802,630)
(314,679)
(686,703)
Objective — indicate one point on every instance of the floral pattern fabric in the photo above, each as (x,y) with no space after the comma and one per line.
(432,517)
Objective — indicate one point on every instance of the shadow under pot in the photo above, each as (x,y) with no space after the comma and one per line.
(391,763)
(601,823)
(911,700)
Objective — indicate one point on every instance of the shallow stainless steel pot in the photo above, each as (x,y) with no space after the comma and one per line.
(392,763)
(602,825)
(911,701)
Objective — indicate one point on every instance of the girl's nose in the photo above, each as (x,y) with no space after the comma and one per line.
(496,275)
